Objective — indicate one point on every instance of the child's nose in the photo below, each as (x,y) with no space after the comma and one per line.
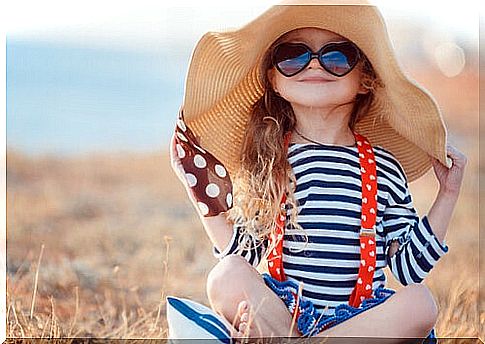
(314,63)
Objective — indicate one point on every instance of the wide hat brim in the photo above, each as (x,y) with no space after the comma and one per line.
(223,82)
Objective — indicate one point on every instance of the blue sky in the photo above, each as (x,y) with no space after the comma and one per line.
(101,76)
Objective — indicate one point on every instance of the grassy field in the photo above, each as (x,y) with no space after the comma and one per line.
(96,242)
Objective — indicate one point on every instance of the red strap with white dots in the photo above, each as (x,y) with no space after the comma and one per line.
(363,287)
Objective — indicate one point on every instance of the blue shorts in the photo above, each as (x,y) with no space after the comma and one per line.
(311,321)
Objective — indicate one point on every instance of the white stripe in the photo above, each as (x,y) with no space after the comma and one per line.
(404,268)
(324,232)
(293,245)
(301,194)
(328,290)
(346,220)
(319,275)
(435,244)
(327,177)
(306,261)
(421,274)
(422,250)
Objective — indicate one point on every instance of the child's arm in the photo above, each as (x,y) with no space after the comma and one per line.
(242,243)
(412,247)
(450,184)
(450,180)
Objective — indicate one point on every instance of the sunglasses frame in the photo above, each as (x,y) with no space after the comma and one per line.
(318,55)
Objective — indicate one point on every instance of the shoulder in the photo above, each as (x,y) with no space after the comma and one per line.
(387,162)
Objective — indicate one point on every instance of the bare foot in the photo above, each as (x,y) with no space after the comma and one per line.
(242,323)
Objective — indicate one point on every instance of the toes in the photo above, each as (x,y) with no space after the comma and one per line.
(243,307)
(242,327)
(244,317)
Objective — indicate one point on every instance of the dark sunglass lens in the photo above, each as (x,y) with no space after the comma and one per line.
(290,59)
(340,58)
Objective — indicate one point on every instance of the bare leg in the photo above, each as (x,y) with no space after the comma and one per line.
(234,280)
(410,312)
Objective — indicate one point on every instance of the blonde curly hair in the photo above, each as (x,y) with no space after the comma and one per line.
(265,173)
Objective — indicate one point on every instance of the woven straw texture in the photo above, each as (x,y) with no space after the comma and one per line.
(223,82)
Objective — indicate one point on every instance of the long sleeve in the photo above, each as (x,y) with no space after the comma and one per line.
(419,249)
(243,244)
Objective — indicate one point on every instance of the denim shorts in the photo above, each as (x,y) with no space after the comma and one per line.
(311,321)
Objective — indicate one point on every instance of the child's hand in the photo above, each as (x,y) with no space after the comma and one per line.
(205,178)
(450,179)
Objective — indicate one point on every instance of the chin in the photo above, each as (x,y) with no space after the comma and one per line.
(317,100)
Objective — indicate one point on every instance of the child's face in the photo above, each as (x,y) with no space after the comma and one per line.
(314,86)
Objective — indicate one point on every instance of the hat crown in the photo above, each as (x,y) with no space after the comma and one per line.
(224,81)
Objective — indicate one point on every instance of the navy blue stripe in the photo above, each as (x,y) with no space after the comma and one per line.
(420,259)
(330,211)
(329,225)
(419,235)
(427,225)
(331,198)
(312,159)
(327,240)
(326,297)
(352,160)
(326,255)
(321,269)
(432,252)
(201,320)
(337,198)
(412,273)
(332,284)
(378,153)
(327,184)
(399,270)
(405,203)
(323,148)
(328,171)
(396,228)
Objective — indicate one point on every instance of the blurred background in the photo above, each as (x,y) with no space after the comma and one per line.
(99,229)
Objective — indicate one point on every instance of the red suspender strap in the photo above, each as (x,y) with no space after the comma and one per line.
(363,287)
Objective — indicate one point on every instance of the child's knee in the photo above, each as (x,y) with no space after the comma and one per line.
(422,308)
(226,280)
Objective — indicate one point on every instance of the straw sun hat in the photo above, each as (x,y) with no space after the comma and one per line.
(223,82)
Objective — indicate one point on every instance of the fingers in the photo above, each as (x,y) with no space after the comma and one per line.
(458,157)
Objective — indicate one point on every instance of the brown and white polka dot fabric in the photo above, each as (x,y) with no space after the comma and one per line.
(206,176)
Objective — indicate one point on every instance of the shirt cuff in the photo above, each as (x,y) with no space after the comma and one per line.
(231,246)
(429,241)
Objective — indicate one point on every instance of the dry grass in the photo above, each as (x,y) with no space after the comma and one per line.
(96,242)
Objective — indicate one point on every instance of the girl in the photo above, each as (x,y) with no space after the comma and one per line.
(306,114)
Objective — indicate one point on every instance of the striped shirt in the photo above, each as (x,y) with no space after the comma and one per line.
(329,198)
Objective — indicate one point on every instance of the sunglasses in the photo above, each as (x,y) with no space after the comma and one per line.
(337,58)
